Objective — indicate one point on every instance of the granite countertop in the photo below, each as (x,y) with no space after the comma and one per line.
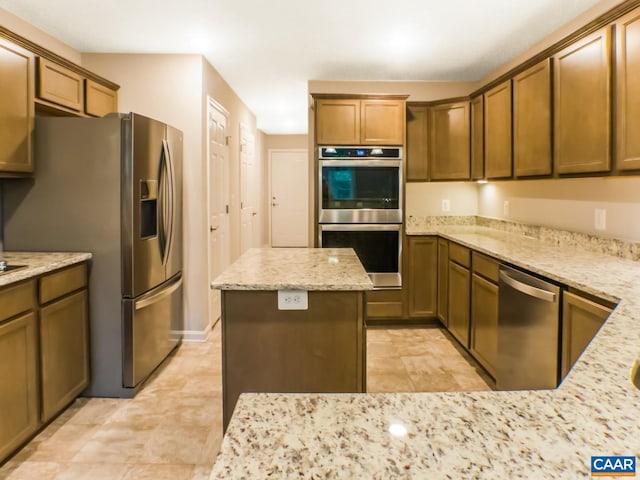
(490,435)
(37,263)
(295,269)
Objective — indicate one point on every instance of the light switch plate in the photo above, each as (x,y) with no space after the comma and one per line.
(293,300)
(446,205)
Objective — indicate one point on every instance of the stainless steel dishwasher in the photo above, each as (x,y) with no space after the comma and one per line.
(528,331)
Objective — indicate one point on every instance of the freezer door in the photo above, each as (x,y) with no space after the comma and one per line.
(174,168)
(143,178)
(152,328)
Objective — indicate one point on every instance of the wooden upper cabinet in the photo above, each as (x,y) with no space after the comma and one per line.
(497,131)
(582,105)
(532,121)
(449,141)
(99,100)
(16,108)
(60,85)
(338,122)
(417,142)
(360,122)
(477,137)
(382,122)
(628,91)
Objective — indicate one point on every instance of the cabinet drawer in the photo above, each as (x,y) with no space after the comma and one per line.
(62,282)
(485,266)
(385,304)
(460,254)
(60,85)
(16,299)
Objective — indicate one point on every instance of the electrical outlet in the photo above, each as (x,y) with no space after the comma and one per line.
(446,205)
(600,219)
(505,208)
(293,300)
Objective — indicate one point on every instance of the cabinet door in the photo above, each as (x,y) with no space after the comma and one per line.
(60,85)
(581,320)
(64,350)
(16,108)
(628,91)
(477,137)
(443,281)
(337,122)
(449,147)
(423,276)
(497,131)
(382,122)
(99,100)
(417,141)
(18,382)
(484,322)
(459,286)
(582,105)
(532,121)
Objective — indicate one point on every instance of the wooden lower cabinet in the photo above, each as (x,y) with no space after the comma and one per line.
(264,349)
(386,304)
(443,281)
(484,322)
(581,320)
(19,405)
(423,276)
(64,346)
(459,295)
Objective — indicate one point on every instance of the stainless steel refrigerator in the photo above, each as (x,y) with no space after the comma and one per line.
(111,186)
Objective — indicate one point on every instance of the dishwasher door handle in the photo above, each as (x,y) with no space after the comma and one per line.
(527,289)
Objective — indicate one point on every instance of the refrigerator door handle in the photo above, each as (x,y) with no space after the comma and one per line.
(170,196)
(163,206)
(153,297)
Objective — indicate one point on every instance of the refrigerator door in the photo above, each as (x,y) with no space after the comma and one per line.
(152,328)
(143,176)
(174,156)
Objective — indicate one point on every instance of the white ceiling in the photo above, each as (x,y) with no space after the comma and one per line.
(268,50)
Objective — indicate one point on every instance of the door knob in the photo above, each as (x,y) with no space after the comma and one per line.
(274,204)
(212,228)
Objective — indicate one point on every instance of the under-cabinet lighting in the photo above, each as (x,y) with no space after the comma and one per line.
(482,181)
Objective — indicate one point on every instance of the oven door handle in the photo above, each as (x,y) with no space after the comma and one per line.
(361,163)
(360,227)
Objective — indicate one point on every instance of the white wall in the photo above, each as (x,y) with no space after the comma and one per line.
(567,204)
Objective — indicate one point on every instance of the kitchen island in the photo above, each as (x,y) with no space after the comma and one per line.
(548,434)
(292,321)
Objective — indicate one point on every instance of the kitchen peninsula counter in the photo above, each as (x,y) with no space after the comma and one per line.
(549,434)
(292,321)
(38,263)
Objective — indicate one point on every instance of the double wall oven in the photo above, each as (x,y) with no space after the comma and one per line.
(360,206)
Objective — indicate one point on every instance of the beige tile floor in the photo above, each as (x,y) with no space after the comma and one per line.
(173,428)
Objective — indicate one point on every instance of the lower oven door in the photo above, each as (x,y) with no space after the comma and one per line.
(379,248)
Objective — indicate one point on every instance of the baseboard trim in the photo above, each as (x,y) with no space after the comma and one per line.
(196,336)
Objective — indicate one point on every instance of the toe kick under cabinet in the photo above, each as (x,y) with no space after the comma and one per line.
(44,351)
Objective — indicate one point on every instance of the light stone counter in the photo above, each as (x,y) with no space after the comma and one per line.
(38,263)
(295,269)
(488,435)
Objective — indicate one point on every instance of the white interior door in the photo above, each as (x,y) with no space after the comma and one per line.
(219,228)
(289,198)
(248,189)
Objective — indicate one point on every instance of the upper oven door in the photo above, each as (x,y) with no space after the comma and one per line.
(360,191)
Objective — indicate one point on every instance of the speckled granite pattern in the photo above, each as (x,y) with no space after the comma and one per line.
(295,268)
(630,250)
(480,435)
(38,263)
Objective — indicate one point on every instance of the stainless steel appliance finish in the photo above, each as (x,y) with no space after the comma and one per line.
(378,246)
(528,332)
(111,186)
(360,185)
